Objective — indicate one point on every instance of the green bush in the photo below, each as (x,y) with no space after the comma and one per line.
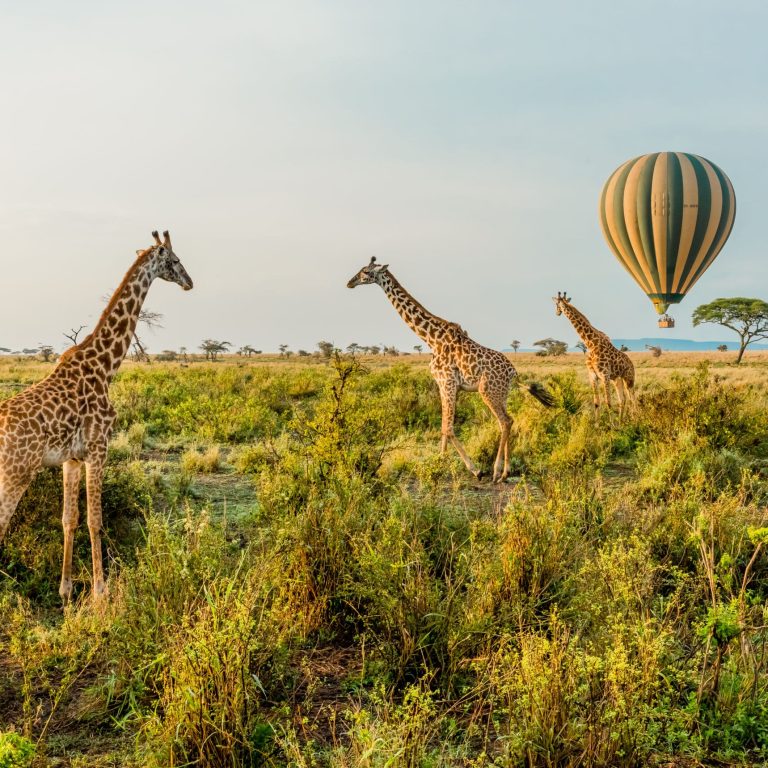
(16,751)
(32,549)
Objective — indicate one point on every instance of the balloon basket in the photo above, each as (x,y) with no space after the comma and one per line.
(665,321)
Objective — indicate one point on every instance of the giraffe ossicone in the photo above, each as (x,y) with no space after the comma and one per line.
(458,363)
(66,419)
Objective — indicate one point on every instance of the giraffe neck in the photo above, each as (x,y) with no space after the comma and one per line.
(107,345)
(428,327)
(588,333)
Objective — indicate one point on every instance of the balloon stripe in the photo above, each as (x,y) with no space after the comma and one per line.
(725,226)
(674,218)
(612,200)
(715,212)
(619,222)
(640,266)
(660,218)
(690,211)
(705,207)
(645,220)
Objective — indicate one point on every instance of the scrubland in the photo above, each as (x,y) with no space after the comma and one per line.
(298,578)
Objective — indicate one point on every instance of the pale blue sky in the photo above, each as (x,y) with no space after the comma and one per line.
(283,143)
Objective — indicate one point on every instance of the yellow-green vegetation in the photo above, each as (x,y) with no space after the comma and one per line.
(298,578)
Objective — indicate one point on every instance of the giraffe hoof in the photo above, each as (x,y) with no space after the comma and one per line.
(479,474)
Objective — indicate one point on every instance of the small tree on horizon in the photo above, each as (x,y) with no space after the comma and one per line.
(214,348)
(722,347)
(655,351)
(746,317)
(74,333)
(550,347)
(515,345)
(47,352)
(326,348)
(581,345)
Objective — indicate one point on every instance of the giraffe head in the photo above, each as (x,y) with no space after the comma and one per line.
(370,273)
(165,263)
(560,300)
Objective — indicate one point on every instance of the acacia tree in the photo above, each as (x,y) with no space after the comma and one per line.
(515,345)
(581,345)
(326,348)
(747,317)
(550,347)
(46,352)
(213,348)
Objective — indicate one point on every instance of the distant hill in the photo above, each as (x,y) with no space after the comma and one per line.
(671,345)
(681,345)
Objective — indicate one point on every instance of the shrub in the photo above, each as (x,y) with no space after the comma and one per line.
(204,461)
(32,548)
(15,751)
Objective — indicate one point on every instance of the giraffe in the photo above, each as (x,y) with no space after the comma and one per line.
(458,363)
(605,363)
(66,419)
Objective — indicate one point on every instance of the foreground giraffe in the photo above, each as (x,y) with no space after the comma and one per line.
(605,363)
(457,363)
(66,419)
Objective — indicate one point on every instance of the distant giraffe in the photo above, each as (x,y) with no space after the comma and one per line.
(457,363)
(605,363)
(66,419)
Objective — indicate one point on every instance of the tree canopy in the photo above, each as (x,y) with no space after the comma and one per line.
(747,317)
(550,347)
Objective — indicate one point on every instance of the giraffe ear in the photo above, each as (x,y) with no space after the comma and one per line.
(382,267)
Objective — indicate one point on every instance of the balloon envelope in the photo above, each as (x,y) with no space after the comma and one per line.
(666,216)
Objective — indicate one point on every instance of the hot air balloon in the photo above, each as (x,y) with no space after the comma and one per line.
(666,216)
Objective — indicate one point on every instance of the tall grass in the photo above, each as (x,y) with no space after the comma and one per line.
(378,607)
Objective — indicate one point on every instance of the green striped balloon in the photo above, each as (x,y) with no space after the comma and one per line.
(666,216)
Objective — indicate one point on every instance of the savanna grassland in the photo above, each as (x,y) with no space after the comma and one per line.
(298,578)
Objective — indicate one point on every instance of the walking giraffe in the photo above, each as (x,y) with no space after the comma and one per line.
(604,362)
(66,419)
(457,363)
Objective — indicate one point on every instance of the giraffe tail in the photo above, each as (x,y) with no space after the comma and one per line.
(541,393)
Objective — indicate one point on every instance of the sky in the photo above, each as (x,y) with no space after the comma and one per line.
(284,143)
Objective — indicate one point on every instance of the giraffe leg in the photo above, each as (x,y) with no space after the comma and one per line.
(595,393)
(69,520)
(498,408)
(618,385)
(631,396)
(448,392)
(94,472)
(606,392)
(10,495)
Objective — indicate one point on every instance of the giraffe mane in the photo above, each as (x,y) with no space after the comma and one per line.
(140,259)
